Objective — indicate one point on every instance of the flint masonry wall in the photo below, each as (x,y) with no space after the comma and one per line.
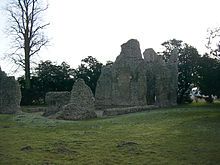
(81,105)
(10,94)
(135,81)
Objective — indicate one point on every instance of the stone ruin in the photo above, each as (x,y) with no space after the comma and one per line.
(133,83)
(136,81)
(57,98)
(10,94)
(55,101)
(81,105)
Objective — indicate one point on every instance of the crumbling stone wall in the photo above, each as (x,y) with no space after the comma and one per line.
(10,94)
(173,81)
(135,81)
(123,83)
(81,105)
(55,102)
(164,77)
(57,98)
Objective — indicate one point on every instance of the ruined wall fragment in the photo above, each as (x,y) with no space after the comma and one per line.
(10,94)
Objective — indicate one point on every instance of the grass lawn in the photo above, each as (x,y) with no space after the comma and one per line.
(180,135)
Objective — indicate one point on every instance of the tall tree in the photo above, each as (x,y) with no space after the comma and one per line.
(27,32)
(187,72)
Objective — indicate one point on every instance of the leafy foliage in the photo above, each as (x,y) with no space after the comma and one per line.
(52,77)
(213,42)
(209,76)
(188,72)
(49,76)
(170,45)
(89,71)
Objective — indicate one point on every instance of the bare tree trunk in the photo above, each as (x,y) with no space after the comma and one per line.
(27,72)
(27,49)
(26,29)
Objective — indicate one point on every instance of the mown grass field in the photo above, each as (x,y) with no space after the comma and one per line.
(180,135)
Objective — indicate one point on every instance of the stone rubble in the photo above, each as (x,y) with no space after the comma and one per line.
(55,101)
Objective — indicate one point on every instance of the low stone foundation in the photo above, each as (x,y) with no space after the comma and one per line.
(57,98)
(55,102)
(126,110)
(75,105)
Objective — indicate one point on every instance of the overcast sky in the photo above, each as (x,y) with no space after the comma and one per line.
(81,28)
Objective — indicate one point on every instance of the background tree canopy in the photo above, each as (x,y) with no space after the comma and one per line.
(213,42)
(89,71)
(209,76)
(49,76)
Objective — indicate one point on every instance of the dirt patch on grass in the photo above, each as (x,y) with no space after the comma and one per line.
(61,147)
(26,148)
(126,143)
(129,147)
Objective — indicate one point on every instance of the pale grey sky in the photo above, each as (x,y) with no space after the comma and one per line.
(81,28)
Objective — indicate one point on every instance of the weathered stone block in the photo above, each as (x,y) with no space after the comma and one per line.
(10,94)
(55,102)
(57,98)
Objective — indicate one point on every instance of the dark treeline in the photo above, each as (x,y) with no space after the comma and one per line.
(49,76)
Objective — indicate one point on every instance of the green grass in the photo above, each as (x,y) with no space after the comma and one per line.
(180,135)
